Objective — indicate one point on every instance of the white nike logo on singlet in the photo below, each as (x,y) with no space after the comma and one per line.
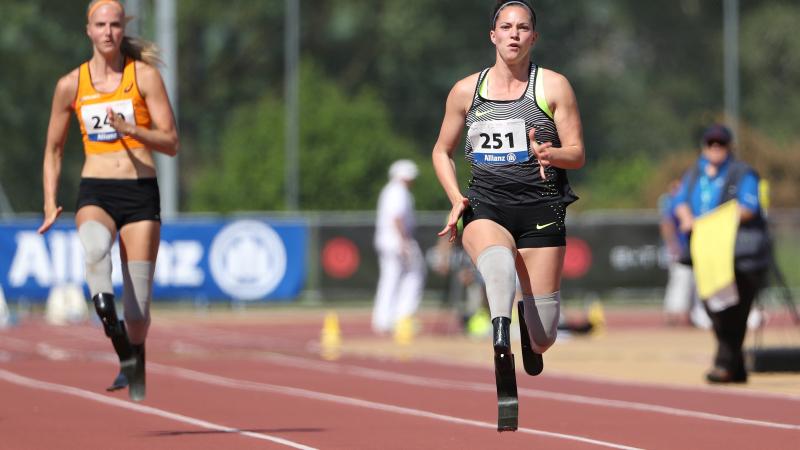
(479,113)
(539,227)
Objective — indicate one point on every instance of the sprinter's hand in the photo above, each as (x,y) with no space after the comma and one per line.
(452,220)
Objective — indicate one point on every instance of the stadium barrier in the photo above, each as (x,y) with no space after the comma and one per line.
(605,252)
(330,256)
(239,259)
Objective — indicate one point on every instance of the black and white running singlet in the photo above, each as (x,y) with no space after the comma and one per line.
(504,168)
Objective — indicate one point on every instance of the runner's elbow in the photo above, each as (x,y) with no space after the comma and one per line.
(577,159)
(581,160)
(173,145)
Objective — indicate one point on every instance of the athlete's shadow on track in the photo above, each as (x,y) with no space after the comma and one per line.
(243,430)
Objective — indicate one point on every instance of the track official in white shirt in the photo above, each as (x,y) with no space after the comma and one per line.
(402,266)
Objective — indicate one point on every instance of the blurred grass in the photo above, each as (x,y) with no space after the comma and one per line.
(787,254)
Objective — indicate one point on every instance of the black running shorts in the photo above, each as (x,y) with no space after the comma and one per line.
(531,226)
(126,201)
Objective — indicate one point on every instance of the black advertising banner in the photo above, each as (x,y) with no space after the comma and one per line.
(348,263)
(602,255)
(608,256)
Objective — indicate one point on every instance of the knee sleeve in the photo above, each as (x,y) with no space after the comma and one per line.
(137,284)
(541,317)
(496,265)
(97,241)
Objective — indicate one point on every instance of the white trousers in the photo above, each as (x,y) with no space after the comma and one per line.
(681,297)
(402,276)
(680,293)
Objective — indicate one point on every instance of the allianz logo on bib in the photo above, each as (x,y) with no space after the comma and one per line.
(104,137)
(494,158)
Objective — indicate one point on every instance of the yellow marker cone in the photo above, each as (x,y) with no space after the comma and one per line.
(480,324)
(331,337)
(404,331)
(597,317)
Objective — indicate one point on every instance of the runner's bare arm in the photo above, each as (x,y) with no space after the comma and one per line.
(64,94)
(456,108)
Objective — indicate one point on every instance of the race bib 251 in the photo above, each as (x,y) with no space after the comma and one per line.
(499,141)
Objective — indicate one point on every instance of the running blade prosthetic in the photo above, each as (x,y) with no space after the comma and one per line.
(136,389)
(531,360)
(505,377)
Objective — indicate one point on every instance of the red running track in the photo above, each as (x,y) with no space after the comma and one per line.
(243,386)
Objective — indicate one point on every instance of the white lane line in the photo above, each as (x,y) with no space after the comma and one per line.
(377,374)
(217,380)
(414,380)
(21,380)
(235,338)
(727,391)
(736,391)
(47,351)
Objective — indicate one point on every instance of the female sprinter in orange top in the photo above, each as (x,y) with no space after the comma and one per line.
(523,130)
(124,113)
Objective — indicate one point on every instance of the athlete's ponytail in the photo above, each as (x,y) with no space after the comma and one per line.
(141,50)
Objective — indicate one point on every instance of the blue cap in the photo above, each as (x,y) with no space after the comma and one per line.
(717,133)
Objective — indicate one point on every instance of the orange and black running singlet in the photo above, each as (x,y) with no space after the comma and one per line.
(90,108)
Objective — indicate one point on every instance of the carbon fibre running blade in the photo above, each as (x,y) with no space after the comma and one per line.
(507,400)
(531,360)
(136,389)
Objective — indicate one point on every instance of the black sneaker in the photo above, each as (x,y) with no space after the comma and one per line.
(125,373)
(532,361)
(718,375)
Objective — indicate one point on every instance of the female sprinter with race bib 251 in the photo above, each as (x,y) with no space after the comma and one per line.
(124,113)
(523,131)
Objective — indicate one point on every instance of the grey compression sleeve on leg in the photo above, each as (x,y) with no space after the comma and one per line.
(137,292)
(496,265)
(97,241)
(541,316)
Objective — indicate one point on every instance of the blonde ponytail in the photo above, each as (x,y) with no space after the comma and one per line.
(141,50)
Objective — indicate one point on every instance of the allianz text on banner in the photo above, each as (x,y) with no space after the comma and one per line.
(214,259)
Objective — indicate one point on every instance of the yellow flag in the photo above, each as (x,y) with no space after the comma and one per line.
(763,195)
(712,247)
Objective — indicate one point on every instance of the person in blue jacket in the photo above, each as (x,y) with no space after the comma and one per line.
(718,177)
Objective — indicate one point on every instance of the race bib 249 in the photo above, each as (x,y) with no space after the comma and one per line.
(96,123)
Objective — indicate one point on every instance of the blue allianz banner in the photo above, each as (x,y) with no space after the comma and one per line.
(211,259)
